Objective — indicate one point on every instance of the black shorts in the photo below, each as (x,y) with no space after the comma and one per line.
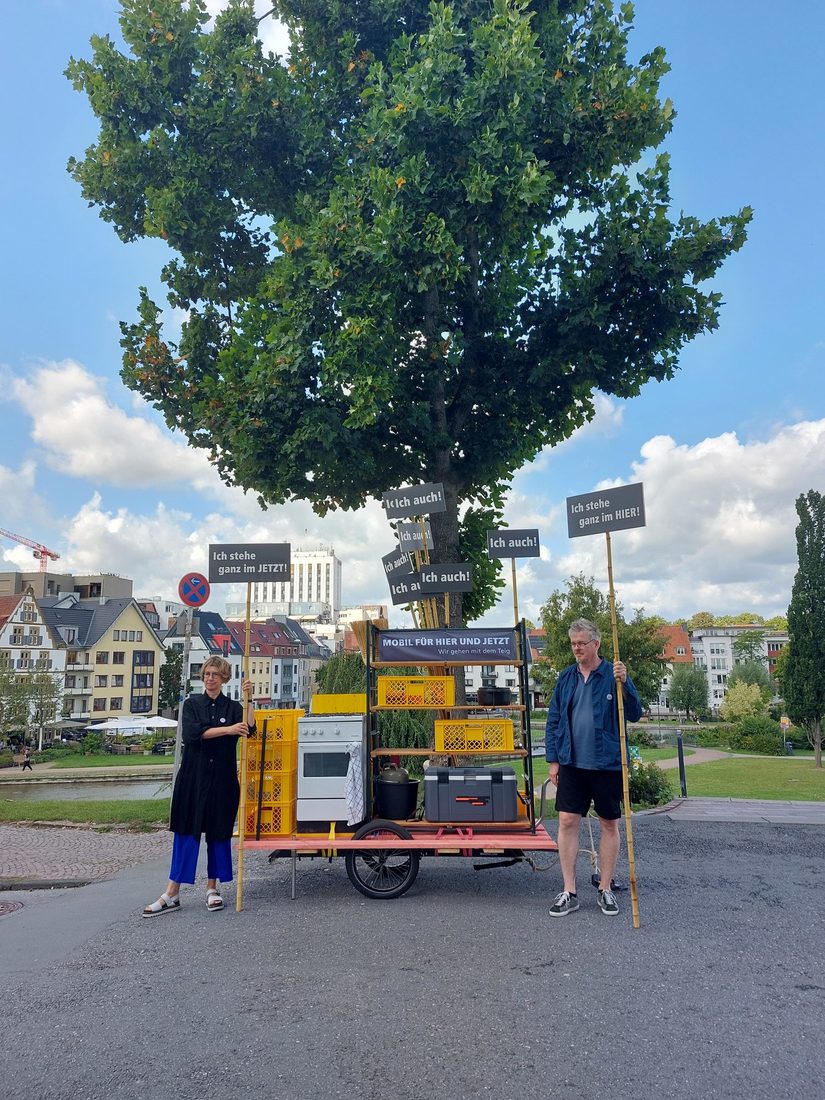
(578,787)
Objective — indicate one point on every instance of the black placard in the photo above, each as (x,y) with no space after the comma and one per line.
(257,561)
(396,563)
(447,577)
(414,500)
(510,543)
(411,538)
(405,588)
(614,509)
(457,646)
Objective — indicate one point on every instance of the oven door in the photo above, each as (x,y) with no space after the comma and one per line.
(322,770)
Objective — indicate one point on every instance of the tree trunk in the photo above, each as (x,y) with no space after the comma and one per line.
(444,527)
(817,732)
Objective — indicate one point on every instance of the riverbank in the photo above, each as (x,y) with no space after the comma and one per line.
(47,773)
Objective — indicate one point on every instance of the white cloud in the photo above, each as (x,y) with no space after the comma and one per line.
(721,522)
(79,432)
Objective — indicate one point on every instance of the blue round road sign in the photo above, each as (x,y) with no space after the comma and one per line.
(194,589)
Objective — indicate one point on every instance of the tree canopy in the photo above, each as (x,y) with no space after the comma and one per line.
(688,690)
(641,643)
(409,251)
(803,684)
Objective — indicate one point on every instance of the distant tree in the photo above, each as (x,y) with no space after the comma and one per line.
(742,700)
(744,618)
(44,692)
(170,677)
(780,669)
(777,622)
(750,646)
(688,690)
(702,620)
(14,701)
(641,642)
(752,672)
(411,250)
(803,682)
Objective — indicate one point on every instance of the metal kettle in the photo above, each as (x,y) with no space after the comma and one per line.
(394,773)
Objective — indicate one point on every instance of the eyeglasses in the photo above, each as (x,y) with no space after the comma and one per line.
(206,675)
(581,645)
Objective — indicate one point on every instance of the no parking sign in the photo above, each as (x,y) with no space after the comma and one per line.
(194,589)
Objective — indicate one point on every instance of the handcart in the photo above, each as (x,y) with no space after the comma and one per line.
(382,855)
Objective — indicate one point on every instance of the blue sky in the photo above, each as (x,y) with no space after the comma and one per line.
(723,449)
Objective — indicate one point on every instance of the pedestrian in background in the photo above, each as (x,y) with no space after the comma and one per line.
(584,756)
(206,794)
(27,760)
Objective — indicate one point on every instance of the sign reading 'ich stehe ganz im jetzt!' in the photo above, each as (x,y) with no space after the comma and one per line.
(257,561)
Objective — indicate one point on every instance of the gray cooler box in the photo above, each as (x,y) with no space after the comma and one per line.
(470,794)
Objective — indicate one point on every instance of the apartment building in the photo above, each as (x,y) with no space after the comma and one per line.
(112,656)
(210,636)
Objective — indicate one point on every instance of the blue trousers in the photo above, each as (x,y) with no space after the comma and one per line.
(185,851)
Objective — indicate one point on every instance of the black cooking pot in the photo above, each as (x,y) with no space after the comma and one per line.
(396,798)
(494,697)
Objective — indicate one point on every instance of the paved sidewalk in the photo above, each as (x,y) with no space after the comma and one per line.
(39,856)
(773,811)
(695,756)
(47,773)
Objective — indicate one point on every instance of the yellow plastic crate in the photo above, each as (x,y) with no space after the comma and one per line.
(277,819)
(474,735)
(350,703)
(416,691)
(277,787)
(279,756)
(281,725)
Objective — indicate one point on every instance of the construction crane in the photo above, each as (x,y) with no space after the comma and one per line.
(41,552)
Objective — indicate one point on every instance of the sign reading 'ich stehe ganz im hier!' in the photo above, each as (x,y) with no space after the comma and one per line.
(616,509)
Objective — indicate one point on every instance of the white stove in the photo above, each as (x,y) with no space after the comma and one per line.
(324,742)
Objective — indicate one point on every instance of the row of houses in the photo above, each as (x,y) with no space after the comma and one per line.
(105,654)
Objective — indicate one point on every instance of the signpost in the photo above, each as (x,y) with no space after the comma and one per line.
(193,590)
(228,564)
(616,509)
(512,544)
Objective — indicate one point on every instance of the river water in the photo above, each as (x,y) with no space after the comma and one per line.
(125,790)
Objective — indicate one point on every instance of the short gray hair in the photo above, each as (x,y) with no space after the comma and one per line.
(585,625)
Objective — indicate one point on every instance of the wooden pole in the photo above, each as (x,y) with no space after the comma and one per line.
(242,806)
(515,591)
(631,859)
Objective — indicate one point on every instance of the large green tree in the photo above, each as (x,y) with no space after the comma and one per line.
(409,251)
(803,683)
(688,690)
(641,642)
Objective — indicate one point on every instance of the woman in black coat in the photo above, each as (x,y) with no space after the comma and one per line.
(206,795)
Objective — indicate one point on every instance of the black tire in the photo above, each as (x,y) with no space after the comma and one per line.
(382,873)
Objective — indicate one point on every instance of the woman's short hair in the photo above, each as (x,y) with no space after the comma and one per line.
(585,625)
(223,667)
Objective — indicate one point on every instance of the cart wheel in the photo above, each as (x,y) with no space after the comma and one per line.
(384,872)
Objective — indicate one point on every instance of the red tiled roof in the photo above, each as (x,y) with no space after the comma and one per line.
(676,637)
(8,606)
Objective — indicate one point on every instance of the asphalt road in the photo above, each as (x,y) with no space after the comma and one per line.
(464,988)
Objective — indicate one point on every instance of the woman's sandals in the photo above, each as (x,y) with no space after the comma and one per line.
(214,901)
(164,904)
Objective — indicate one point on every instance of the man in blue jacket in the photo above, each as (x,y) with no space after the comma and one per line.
(583,751)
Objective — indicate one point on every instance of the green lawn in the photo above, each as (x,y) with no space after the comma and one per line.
(776,777)
(140,814)
(109,760)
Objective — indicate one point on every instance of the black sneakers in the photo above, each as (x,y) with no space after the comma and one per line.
(607,903)
(565,903)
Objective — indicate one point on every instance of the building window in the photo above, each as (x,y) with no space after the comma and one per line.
(115,635)
(143,680)
(117,681)
(99,704)
(141,704)
(101,657)
(118,657)
(116,703)
(131,635)
(680,651)
(101,681)
(143,657)
(138,635)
